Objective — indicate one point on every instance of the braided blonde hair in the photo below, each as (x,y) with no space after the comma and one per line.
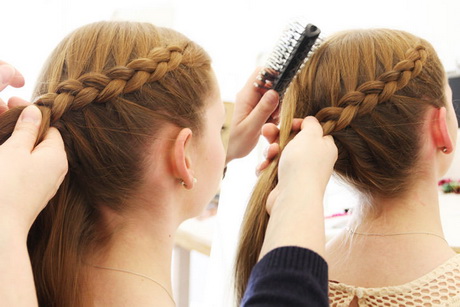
(370,90)
(109,88)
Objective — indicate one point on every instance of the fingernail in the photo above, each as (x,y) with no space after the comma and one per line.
(31,114)
(6,73)
(272,96)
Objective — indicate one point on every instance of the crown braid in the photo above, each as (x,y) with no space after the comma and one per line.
(369,94)
(75,94)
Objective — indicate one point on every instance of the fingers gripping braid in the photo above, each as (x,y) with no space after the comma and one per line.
(368,95)
(94,87)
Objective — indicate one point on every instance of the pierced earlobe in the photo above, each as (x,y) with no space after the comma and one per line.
(188,187)
(441,132)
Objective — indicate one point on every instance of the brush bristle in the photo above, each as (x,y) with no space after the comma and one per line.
(289,55)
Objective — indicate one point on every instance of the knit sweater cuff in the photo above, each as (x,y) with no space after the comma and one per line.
(298,259)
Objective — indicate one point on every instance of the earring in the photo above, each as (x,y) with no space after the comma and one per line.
(185,185)
(444,149)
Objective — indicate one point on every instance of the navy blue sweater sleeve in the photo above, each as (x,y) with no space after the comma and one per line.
(288,276)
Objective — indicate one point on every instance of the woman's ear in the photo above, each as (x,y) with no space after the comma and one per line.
(441,134)
(181,160)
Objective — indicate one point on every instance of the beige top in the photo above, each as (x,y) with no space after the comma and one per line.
(440,287)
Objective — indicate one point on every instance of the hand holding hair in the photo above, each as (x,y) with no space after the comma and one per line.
(271,133)
(30,175)
(295,205)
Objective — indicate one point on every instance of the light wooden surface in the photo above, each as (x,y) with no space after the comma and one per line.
(196,235)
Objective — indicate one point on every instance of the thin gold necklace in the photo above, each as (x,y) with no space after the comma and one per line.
(138,274)
(352,232)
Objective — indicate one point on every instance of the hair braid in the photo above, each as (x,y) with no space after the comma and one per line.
(75,94)
(368,95)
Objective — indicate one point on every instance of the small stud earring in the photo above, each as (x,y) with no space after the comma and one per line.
(444,149)
(185,185)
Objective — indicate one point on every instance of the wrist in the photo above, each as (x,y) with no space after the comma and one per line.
(302,229)
(297,219)
(297,194)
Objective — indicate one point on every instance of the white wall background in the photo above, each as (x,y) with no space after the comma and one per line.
(236,33)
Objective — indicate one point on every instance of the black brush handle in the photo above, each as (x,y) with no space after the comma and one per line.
(297,58)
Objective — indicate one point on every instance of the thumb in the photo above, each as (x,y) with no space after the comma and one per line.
(26,130)
(312,126)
